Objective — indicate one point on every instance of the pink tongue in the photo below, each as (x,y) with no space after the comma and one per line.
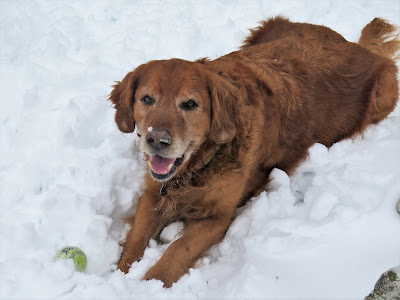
(160,165)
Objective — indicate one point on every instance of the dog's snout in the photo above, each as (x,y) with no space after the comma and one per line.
(158,139)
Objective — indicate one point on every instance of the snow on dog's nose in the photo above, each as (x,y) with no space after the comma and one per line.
(158,139)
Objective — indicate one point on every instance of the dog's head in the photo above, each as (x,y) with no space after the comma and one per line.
(177,105)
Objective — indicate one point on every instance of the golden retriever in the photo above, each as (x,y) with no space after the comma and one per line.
(212,130)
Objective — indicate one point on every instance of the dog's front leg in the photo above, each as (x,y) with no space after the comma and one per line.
(181,255)
(147,224)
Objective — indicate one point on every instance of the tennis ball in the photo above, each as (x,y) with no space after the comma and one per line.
(74,253)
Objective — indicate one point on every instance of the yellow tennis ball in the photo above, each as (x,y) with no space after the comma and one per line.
(74,253)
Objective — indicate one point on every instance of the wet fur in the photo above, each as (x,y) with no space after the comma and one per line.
(291,85)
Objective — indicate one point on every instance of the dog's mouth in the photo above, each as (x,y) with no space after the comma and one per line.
(163,168)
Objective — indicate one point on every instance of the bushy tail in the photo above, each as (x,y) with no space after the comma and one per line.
(382,38)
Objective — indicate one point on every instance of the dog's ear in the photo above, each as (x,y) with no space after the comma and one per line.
(123,98)
(223,109)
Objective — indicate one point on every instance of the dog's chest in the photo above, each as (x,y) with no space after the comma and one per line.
(186,202)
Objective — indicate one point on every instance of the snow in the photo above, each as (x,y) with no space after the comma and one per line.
(68,176)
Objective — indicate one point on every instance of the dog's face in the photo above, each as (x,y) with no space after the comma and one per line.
(172,111)
(176,108)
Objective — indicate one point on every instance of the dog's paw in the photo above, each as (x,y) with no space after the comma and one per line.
(124,265)
(168,274)
(162,276)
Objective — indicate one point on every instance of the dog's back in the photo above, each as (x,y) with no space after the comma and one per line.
(326,88)
(279,27)
(379,37)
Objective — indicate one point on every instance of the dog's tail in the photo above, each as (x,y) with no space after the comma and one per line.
(382,38)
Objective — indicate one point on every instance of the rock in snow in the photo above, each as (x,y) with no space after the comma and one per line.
(388,286)
(398,206)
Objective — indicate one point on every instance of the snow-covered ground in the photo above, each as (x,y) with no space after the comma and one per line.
(68,176)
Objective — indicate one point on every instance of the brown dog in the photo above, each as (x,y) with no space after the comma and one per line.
(212,131)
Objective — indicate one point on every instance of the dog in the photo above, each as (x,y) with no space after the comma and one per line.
(212,130)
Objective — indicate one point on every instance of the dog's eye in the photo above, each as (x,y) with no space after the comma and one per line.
(147,100)
(189,105)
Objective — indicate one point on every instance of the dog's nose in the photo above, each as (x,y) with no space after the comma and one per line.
(158,139)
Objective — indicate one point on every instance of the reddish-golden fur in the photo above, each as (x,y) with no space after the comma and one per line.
(291,85)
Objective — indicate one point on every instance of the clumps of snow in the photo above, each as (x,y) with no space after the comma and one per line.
(150,129)
(172,232)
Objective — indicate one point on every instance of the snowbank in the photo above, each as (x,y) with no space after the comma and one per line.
(68,177)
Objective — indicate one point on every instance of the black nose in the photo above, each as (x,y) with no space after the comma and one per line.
(158,139)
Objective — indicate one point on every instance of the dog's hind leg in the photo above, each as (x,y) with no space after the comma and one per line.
(384,95)
(382,38)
